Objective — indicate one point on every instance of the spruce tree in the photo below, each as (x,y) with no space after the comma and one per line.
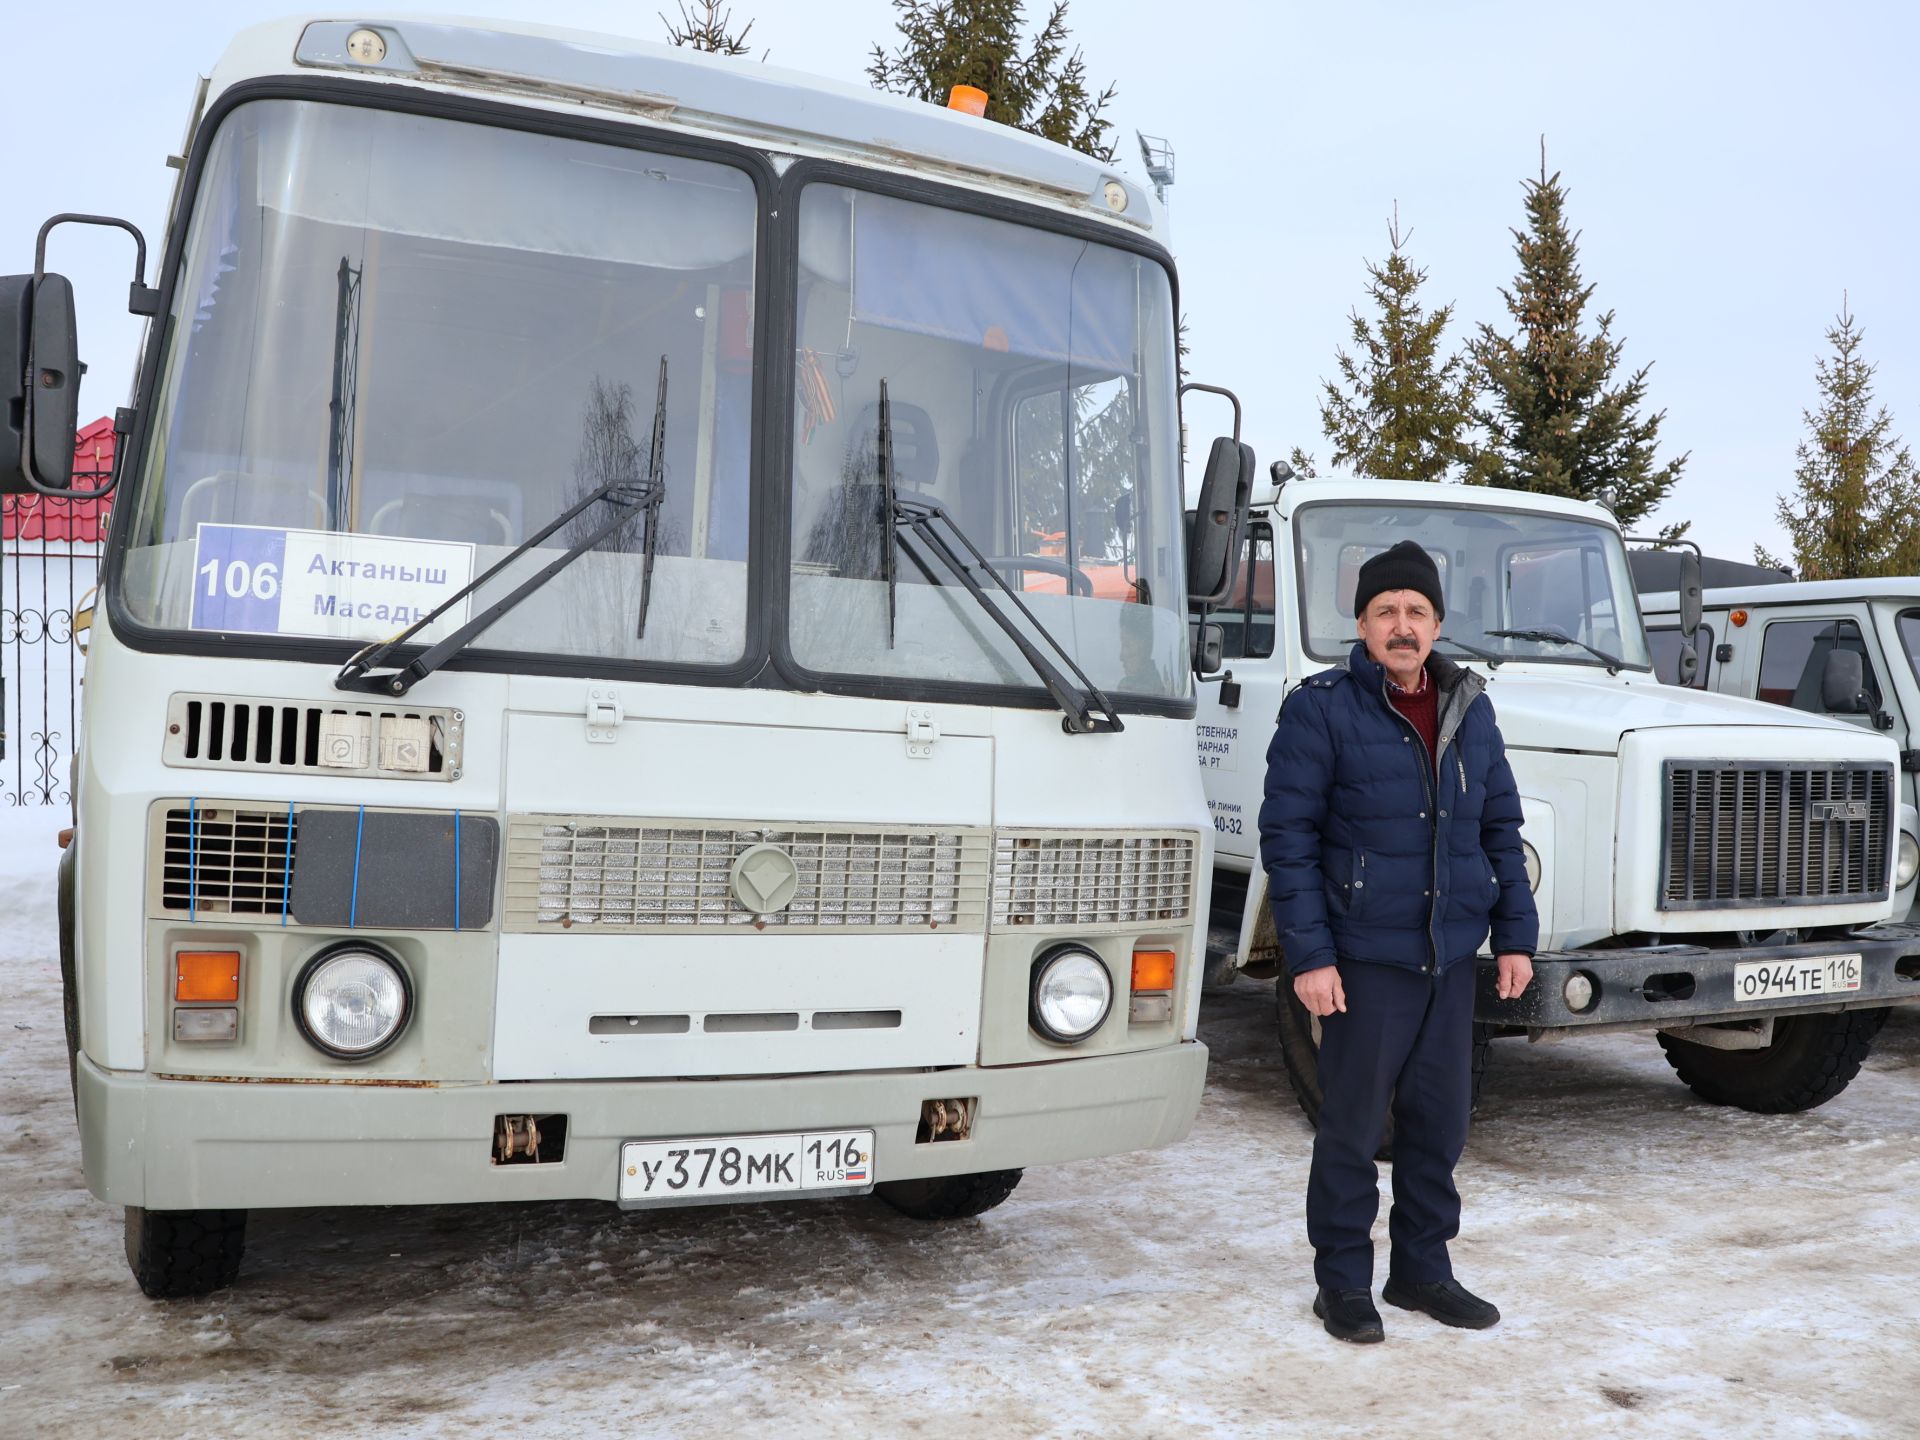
(1041,87)
(1855,507)
(1399,411)
(1555,421)
(707,27)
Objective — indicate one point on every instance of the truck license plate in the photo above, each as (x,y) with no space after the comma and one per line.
(725,1167)
(1789,979)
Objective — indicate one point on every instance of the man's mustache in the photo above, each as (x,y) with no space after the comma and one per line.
(1403,642)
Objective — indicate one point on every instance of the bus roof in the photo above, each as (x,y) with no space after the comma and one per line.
(730,98)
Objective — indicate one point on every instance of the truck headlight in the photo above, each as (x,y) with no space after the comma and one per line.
(1072,993)
(1534,870)
(1907,864)
(352,1001)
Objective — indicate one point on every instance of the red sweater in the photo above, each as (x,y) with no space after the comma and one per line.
(1422,708)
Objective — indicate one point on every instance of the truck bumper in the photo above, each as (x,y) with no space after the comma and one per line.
(179,1144)
(1674,985)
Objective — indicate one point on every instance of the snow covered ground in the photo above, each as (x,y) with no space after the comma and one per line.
(1667,1269)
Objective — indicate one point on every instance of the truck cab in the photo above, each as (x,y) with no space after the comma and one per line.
(1708,868)
(1845,650)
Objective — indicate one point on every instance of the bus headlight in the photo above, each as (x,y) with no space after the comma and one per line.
(352,1001)
(1907,864)
(1072,993)
(1534,871)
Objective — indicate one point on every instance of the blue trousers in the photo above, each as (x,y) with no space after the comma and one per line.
(1405,1041)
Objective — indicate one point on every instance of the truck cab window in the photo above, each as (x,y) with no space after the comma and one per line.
(1665,645)
(1793,658)
(1247,617)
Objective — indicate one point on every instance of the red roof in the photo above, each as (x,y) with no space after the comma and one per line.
(74,522)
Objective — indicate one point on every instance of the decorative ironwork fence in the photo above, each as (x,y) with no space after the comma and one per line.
(49,557)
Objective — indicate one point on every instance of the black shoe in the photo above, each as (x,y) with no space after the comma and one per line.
(1447,1301)
(1349,1315)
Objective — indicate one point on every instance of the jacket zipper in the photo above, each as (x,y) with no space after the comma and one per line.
(1430,788)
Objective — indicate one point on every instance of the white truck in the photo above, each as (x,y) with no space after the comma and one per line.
(1706,868)
(600,687)
(1848,650)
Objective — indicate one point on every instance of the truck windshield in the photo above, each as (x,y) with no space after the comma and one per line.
(400,344)
(1031,386)
(1500,569)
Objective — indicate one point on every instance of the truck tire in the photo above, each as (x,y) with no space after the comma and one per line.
(69,980)
(178,1253)
(1811,1060)
(949,1197)
(1300,1049)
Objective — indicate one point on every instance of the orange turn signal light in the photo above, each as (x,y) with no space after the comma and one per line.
(206,975)
(968,99)
(1739,618)
(1152,970)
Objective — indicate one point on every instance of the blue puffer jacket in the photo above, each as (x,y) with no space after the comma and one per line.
(1371,856)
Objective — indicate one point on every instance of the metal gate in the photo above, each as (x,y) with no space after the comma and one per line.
(49,557)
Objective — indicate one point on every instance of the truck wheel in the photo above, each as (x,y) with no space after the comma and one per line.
(177,1253)
(1300,1049)
(1811,1060)
(949,1197)
(69,981)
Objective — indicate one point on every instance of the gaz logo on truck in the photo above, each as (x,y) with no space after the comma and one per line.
(1841,810)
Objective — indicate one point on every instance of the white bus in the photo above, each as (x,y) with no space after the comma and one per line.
(643,651)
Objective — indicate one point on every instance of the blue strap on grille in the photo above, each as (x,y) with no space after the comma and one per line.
(353,905)
(193,853)
(286,878)
(456,868)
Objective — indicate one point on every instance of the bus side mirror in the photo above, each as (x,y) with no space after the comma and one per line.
(1842,683)
(41,388)
(1213,535)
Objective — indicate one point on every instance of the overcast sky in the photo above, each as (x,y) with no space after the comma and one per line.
(1734,168)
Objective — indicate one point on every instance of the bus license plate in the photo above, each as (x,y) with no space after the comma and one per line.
(1790,979)
(725,1167)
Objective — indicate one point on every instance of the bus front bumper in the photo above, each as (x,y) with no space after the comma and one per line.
(190,1144)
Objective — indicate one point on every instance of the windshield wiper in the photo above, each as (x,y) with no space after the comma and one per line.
(629,498)
(1613,663)
(1494,662)
(1087,710)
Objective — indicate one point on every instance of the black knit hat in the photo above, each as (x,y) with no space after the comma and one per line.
(1405,567)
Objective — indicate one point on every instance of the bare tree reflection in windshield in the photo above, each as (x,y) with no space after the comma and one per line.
(606,591)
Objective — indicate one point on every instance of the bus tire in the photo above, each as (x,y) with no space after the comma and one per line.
(179,1253)
(1300,1050)
(69,977)
(1811,1060)
(949,1197)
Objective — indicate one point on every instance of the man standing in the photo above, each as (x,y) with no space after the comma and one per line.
(1390,835)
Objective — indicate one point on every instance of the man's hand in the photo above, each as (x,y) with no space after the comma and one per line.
(1320,991)
(1516,973)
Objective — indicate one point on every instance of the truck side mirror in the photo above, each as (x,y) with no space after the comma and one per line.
(1209,647)
(1687,664)
(1842,683)
(41,389)
(1690,597)
(1213,534)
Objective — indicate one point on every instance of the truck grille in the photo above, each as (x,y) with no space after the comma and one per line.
(225,861)
(635,875)
(1068,878)
(1739,834)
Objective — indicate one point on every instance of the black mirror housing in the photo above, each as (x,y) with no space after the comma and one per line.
(1209,646)
(1688,663)
(1213,536)
(1842,683)
(1691,599)
(41,392)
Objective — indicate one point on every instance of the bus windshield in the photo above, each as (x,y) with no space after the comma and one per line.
(1500,569)
(400,344)
(1030,384)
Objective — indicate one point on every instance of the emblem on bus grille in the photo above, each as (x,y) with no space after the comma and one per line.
(1841,810)
(764,879)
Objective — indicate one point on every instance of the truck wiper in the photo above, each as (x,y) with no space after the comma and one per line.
(1494,662)
(628,497)
(1613,663)
(1087,710)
